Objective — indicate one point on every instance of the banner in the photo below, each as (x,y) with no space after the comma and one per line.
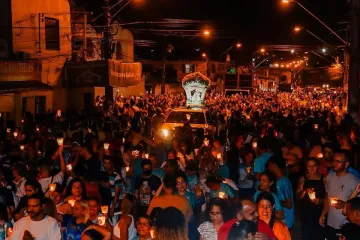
(124,74)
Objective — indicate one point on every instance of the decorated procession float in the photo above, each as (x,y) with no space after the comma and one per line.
(195,86)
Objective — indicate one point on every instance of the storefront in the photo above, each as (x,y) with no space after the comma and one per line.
(98,78)
(21,90)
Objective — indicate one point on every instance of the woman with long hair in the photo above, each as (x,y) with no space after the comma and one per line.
(195,199)
(5,224)
(75,191)
(266,204)
(171,224)
(125,228)
(311,193)
(218,214)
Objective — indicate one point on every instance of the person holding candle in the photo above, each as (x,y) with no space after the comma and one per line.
(94,207)
(195,199)
(339,186)
(218,214)
(75,191)
(79,220)
(117,184)
(311,193)
(246,172)
(5,224)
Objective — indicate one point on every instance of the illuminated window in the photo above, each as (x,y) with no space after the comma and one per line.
(52,34)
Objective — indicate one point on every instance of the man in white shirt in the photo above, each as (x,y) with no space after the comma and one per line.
(36,226)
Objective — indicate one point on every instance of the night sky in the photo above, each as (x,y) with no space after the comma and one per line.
(252,22)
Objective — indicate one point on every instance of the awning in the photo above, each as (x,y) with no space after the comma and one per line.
(22,86)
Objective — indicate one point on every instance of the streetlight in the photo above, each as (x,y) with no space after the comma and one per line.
(313,15)
(237,45)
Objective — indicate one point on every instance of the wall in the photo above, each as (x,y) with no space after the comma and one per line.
(126,39)
(76,96)
(25,21)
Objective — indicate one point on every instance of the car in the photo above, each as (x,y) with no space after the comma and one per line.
(199,119)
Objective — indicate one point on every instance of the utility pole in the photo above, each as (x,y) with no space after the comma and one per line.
(107,46)
(163,75)
(353,93)
(84,37)
(107,35)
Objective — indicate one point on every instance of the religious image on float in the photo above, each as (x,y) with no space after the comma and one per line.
(195,85)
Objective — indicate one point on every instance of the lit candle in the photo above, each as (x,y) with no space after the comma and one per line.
(188,117)
(320,155)
(146,156)
(221,195)
(123,140)
(38,129)
(248,169)
(101,220)
(9,231)
(333,201)
(254,144)
(52,187)
(206,142)
(71,202)
(196,151)
(22,121)
(16,134)
(104,209)
(152,233)
(127,169)
(316,126)
(206,125)
(69,167)
(106,146)
(312,195)
(8,130)
(60,141)
(22,147)
(218,156)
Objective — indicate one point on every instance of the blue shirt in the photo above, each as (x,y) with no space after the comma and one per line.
(260,162)
(278,206)
(223,171)
(74,230)
(191,199)
(192,182)
(137,167)
(285,191)
(159,173)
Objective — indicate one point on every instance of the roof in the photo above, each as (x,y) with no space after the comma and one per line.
(22,86)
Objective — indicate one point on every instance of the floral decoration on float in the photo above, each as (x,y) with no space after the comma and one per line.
(195,86)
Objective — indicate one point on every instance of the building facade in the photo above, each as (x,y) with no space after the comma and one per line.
(35,42)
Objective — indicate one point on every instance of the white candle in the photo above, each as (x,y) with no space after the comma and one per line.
(60,141)
(320,155)
(71,202)
(316,126)
(221,195)
(312,195)
(146,155)
(127,169)
(218,156)
(254,144)
(101,220)
(22,147)
(8,130)
(16,134)
(106,146)
(69,167)
(52,187)
(104,209)
(248,169)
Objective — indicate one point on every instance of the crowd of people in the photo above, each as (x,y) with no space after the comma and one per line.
(107,172)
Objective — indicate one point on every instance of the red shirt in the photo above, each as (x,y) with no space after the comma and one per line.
(262,227)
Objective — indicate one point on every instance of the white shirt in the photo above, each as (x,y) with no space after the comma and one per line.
(44,182)
(46,229)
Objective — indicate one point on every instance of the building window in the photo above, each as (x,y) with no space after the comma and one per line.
(52,34)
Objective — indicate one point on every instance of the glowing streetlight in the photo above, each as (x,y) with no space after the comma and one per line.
(297,29)
(206,33)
